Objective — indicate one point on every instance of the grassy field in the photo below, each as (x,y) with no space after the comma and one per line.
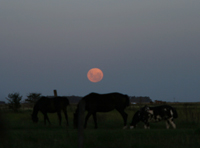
(22,133)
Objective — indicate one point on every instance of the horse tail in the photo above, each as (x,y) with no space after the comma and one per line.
(80,106)
(76,111)
(67,101)
(127,103)
(175,114)
(79,114)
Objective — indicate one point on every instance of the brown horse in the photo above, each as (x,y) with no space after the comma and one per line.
(103,103)
(50,105)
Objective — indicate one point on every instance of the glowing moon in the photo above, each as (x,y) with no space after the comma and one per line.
(95,75)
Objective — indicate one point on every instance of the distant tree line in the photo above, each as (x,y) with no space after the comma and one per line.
(135,99)
(14,99)
(140,99)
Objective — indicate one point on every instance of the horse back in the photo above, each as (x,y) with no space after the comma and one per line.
(106,102)
(51,105)
(165,111)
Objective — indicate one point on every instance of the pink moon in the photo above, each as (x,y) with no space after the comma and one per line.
(95,75)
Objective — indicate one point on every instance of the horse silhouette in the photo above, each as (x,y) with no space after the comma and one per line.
(50,105)
(102,103)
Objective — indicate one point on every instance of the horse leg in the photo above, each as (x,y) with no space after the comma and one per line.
(172,122)
(124,116)
(95,120)
(167,124)
(46,118)
(59,117)
(146,125)
(66,117)
(86,119)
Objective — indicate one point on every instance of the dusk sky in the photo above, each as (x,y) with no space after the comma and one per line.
(144,48)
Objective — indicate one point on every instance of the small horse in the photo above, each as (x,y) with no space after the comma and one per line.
(155,114)
(103,103)
(50,105)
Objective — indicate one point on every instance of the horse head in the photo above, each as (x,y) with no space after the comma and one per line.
(145,108)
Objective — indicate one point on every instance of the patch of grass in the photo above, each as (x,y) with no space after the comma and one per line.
(22,133)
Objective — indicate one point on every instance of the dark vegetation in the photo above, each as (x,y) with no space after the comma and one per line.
(22,133)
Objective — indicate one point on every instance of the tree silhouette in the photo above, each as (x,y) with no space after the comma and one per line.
(33,97)
(14,101)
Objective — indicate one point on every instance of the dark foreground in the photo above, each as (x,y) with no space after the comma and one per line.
(22,133)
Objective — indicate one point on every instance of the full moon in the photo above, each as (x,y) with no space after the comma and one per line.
(95,75)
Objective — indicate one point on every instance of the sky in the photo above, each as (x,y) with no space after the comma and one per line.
(144,48)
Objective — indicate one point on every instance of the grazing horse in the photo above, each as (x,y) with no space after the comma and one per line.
(155,114)
(50,105)
(102,103)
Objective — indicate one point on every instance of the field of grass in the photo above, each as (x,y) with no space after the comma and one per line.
(22,133)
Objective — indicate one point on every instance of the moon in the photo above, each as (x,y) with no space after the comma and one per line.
(95,75)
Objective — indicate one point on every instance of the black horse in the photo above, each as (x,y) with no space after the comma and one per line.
(155,114)
(50,105)
(102,103)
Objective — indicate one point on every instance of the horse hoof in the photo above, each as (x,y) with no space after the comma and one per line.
(125,127)
(131,127)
